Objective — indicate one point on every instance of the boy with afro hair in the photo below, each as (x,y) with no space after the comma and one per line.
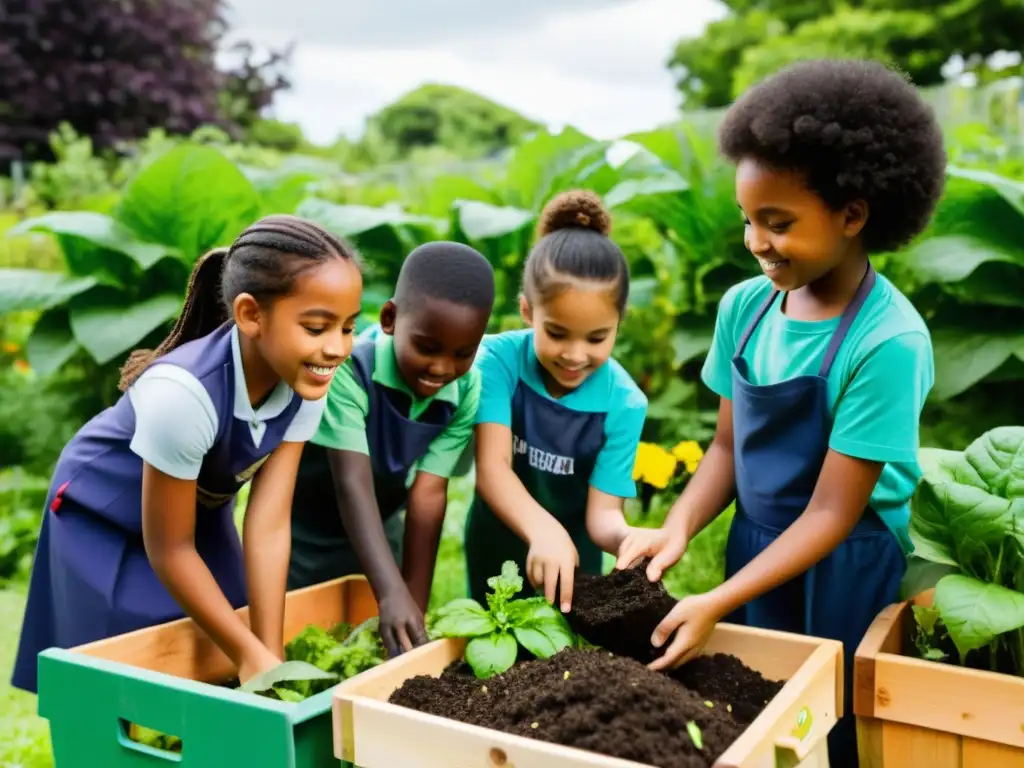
(822,366)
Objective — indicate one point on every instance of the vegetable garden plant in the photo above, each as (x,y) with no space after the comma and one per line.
(968,520)
(528,669)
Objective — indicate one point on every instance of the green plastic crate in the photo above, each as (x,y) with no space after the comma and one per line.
(91,694)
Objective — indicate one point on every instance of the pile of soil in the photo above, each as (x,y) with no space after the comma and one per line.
(601,699)
(595,700)
(619,611)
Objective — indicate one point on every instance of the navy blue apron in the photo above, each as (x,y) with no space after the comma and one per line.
(91,577)
(554,451)
(781,434)
(321,549)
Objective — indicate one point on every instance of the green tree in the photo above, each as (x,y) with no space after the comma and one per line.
(918,36)
(450,117)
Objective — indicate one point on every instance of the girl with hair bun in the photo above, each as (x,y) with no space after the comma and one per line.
(559,420)
(138,526)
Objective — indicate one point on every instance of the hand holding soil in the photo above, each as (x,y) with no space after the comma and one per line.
(401,622)
(663,547)
(692,620)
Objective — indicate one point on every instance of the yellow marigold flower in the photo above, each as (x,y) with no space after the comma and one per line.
(22,365)
(654,465)
(689,453)
(10,347)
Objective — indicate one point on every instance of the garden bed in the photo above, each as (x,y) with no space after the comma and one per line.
(168,692)
(914,711)
(753,698)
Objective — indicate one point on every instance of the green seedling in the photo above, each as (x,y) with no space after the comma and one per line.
(496,632)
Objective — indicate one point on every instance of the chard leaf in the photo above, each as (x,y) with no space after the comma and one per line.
(975,613)
(462,618)
(491,654)
(288,672)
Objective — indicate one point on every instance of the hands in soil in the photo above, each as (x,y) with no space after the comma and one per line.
(496,633)
(664,547)
(552,562)
(401,621)
(693,619)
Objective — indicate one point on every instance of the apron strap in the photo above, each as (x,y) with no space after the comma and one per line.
(849,315)
(753,323)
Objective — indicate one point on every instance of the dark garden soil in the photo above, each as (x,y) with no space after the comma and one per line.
(619,611)
(601,701)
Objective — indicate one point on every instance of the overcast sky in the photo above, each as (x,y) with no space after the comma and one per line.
(595,64)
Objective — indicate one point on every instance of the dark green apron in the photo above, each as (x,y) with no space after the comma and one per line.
(321,549)
(554,451)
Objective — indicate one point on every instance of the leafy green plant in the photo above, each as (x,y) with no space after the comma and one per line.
(926,636)
(127,272)
(495,633)
(968,516)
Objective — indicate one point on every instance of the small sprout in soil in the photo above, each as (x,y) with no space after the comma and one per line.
(728,707)
(534,724)
(694,731)
(709,704)
(566,675)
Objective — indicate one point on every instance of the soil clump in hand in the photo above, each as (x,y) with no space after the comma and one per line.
(619,611)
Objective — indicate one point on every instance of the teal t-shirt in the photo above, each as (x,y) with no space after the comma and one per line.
(877,387)
(507,358)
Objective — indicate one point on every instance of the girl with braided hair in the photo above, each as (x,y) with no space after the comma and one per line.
(138,526)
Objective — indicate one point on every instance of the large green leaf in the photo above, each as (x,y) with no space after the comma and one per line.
(192,198)
(384,235)
(491,654)
(950,258)
(965,355)
(529,181)
(88,237)
(968,503)
(51,343)
(483,221)
(1011,191)
(22,289)
(107,326)
(975,613)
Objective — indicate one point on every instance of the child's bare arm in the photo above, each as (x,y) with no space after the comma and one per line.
(424,518)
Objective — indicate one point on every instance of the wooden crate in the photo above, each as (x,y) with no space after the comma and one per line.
(166,678)
(911,712)
(372,733)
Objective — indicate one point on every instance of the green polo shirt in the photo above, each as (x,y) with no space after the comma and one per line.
(343,425)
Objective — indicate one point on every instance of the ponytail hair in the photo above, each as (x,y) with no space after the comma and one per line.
(264,261)
(573,246)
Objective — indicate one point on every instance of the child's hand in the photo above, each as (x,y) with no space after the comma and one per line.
(256,662)
(662,546)
(552,561)
(693,620)
(401,621)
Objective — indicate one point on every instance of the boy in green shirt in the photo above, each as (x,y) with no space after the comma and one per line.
(399,417)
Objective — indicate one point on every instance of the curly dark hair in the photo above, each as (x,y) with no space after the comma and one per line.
(855,130)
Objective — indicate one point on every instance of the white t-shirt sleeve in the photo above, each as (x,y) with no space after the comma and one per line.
(306,421)
(175,421)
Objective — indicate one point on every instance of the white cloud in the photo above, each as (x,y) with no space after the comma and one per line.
(600,68)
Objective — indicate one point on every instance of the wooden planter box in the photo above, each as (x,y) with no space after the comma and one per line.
(165,678)
(911,712)
(372,733)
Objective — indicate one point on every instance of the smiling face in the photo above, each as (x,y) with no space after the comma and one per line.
(435,341)
(304,336)
(574,333)
(794,235)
